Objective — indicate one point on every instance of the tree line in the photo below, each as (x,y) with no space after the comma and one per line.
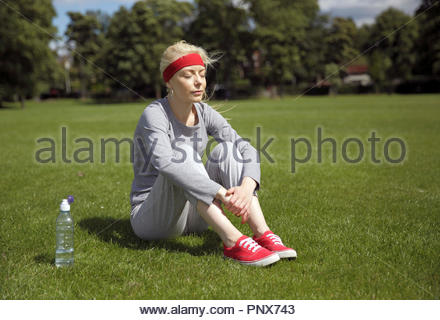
(284,46)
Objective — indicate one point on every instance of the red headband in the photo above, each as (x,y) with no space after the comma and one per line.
(192,59)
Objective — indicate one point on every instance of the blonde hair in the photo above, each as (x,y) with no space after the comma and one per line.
(182,48)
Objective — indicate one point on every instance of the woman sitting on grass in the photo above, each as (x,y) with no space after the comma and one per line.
(173,193)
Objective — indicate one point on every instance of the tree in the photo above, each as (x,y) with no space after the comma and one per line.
(172,21)
(280,30)
(313,51)
(363,38)
(223,25)
(428,42)
(332,76)
(395,48)
(379,67)
(25,56)
(85,38)
(341,41)
(136,39)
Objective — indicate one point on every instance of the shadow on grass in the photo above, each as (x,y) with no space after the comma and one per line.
(119,231)
(10,107)
(44,258)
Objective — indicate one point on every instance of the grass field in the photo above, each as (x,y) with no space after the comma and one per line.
(362,231)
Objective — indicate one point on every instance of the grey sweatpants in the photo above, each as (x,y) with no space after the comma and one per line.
(169,211)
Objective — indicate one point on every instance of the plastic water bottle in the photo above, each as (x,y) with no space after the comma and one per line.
(64,230)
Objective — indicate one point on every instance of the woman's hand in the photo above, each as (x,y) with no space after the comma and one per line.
(220,198)
(241,198)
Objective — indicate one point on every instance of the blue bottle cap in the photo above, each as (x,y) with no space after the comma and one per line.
(70,199)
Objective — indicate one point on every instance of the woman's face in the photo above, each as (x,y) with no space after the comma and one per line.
(189,84)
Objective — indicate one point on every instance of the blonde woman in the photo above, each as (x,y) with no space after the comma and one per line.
(173,192)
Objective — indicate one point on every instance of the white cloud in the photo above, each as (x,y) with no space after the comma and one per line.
(405,5)
(366,11)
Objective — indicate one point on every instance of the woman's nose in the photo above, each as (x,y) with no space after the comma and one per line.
(197,80)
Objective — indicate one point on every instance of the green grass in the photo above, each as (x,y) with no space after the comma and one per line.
(362,231)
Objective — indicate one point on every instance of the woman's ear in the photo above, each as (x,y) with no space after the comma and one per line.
(169,89)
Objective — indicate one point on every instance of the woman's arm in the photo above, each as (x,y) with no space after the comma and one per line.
(221,130)
(152,136)
(240,196)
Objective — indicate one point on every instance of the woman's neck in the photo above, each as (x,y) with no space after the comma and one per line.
(182,111)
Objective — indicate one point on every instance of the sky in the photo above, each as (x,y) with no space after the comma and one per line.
(362,11)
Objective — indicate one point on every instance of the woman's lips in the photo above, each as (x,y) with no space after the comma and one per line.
(197,93)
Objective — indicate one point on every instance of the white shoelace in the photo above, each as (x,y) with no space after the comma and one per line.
(249,244)
(275,239)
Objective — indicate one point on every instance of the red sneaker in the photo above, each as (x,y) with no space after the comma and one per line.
(272,242)
(247,251)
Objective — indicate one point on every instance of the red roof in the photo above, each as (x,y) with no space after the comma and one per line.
(357,69)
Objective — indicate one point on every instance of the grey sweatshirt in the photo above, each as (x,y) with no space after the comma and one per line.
(156,140)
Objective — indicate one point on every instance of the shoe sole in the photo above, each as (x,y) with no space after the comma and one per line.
(259,263)
(287,254)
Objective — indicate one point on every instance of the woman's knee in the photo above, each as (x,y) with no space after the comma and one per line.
(185,153)
(224,151)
